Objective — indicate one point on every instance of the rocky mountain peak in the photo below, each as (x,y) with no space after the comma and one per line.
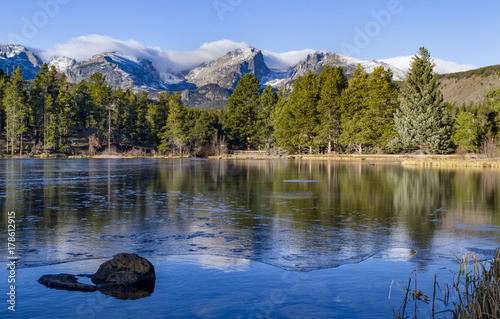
(120,71)
(317,61)
(227,70)
(13,55)
(61,63)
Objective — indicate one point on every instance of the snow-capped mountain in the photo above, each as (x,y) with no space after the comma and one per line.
(212,80)
(122,71)
(61,63)
(319,60)
(227,70)
(14,55)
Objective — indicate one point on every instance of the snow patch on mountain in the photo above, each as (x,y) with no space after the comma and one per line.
(61,63)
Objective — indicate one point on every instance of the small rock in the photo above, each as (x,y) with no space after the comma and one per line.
(66,282)
(126,276)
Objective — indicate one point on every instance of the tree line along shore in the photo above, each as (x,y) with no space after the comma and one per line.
(326,115)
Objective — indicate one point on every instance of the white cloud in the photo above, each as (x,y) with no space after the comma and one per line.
(442,66)
(284,60)
(84,47)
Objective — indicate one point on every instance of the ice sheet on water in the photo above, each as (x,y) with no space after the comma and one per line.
(396,254)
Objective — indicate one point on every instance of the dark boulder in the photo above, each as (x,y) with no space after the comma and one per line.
(125,270)
(65,282)
(126,276)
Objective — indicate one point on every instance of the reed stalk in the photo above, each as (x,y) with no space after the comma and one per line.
(475,292)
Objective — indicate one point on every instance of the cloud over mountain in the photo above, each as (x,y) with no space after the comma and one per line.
(284,60)
(442,66)
(84,47)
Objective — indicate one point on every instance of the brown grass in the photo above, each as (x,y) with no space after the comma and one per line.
(477,291)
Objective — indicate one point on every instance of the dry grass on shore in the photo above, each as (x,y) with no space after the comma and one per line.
(476,291)
(453,163)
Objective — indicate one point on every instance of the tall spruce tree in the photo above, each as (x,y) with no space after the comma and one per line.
(356,119)
(382,104)
(267,104)
(423,121)
(301,112)
(204,125)
(468,130)
(241,121)
(45,85)
(16,110)
(67,112)
(82,103)
(141,124)
(157,115)
(51,136)
(332,82)
(493,98)
(3,82)
(100,95)
(175,132)
(282,119)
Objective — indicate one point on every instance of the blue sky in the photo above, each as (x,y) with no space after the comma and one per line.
(463,32)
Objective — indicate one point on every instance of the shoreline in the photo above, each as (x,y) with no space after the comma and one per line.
(405,159)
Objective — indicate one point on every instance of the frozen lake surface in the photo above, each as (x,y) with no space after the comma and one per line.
(282,239)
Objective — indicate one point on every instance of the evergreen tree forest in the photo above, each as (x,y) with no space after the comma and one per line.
(324,114)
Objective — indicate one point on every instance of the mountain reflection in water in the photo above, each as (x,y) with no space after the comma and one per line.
(298,215)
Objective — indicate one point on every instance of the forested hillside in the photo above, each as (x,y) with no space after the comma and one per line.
(325,113)
(470,86)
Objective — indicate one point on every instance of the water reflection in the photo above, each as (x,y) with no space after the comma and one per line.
(294,214)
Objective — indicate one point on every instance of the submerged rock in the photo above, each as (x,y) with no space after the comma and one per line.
(126,276)
(65,282)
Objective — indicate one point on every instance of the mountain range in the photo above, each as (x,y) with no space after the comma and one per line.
(211,81)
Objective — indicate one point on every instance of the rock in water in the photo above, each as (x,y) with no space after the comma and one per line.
(126,276)
(65,282)
(125,270)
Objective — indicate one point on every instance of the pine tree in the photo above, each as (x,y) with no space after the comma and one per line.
(141,123)
(3,82)
(51,135)
(45,85)
(282,119)
(131,114)
(175,133)
(241,121)
(100,96)
(468,130)
(423,121)
(204,126)
(67,112)
(383,102)
(157,115)
(332,82)
(267,104)
(356,119)
(493,98)
(17,113)
(82,104)
(301,112)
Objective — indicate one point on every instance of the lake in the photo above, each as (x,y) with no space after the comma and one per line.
(244,238)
